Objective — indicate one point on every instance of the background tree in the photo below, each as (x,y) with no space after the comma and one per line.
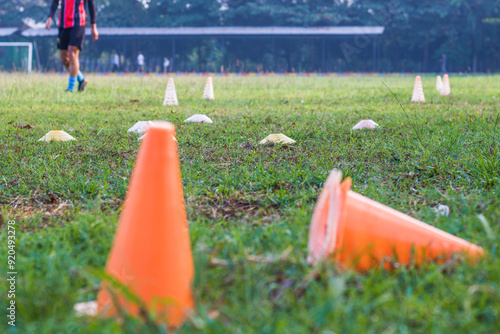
(417,31)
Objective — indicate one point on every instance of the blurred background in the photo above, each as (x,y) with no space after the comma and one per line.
(272,36)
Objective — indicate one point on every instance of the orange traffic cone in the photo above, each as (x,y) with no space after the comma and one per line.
(361,233)
(151,253)
(418,91)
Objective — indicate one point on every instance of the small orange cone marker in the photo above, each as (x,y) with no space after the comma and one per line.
(361,233)
(418,91)
(439,83)
(151,253)
(170,94)
(144,136)
(446,90)
(208,93)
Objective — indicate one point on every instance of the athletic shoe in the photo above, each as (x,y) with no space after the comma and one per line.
(81,85)
(68,91)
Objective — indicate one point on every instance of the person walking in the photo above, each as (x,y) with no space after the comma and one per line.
(443,63)
(72,20)
(115,62)
(166,63)
(140,62)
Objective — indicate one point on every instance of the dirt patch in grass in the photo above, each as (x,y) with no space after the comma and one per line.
(46,215)
(48,209)
(238,206)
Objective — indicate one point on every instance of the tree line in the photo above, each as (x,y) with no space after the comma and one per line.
(417,32)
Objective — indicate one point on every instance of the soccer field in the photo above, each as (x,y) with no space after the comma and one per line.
(249,206)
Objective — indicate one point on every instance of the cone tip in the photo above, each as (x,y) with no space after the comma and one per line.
(162,125)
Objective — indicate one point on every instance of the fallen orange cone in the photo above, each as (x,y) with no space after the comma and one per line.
(151,253)
(361,233)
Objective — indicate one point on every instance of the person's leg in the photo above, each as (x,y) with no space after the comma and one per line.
(74,48)
(63,42)
(64,58)
(62,45)
(74,66)
(80,77)
(74,62)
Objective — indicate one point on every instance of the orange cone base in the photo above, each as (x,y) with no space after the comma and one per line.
(151,254)
(362,234)
(173,315)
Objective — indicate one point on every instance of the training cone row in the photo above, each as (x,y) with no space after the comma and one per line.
(151,253)
(362,234)
(208,92)
(170,94)
(418,91)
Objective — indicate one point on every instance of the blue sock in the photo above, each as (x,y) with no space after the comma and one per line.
(80,77)
(71,83)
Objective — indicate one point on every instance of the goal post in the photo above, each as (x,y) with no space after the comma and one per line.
(16,56)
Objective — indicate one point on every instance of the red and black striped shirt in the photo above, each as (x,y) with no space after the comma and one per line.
(72,13)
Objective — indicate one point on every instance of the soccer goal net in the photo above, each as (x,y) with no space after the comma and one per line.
(16,56)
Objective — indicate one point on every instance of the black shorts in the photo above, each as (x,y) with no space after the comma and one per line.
(70,36)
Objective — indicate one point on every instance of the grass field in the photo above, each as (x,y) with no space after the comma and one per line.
(246,199)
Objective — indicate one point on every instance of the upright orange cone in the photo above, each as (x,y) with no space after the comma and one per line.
(151,253)
(418,91)
(362,234)
(446,90)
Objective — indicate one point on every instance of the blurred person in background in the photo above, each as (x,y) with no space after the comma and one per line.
(166,63)
(72,20)
(140,63)
(115,62)
(443,63)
